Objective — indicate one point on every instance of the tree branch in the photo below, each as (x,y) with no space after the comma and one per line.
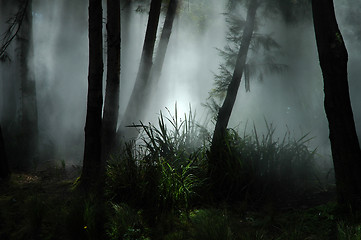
(13,30)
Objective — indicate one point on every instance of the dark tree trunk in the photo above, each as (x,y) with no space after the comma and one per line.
(134,108)
(164,40)
(8,83)
(29,111)
(111,104)
(92,166)
(4,167)
(126,13)
(126,51)
(226,109)
(345,147)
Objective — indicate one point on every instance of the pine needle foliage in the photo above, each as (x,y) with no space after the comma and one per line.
(262,60)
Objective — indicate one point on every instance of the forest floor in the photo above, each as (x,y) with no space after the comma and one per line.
(39,205)
(34,205)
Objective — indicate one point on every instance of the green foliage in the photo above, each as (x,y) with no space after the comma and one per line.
(261,60)
(292,12)
(196,13)
(35,210)
(78,219)
(348,232)
(162,173)
(210,224)
(125,223)
(35,213)
(89,216)
(85,217)
(263,168)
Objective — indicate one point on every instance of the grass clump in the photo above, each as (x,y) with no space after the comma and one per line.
(348,232)
(263,168)
(210,224)
(156,184)
(162,174)
(125,223)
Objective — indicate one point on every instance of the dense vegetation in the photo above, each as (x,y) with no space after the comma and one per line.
(158,188)
(176,179)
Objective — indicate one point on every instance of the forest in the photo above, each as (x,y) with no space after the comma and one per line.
(180,119)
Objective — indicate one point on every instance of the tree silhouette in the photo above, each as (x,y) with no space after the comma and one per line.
(29,109)
(135,107)
(164,40)
(92,166)
(111,103)
(4,167)
(345,147)
(224,113)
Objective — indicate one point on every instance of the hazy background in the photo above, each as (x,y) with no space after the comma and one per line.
(291,101)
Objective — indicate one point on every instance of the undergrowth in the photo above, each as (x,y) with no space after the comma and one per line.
(164,176)
(262,168)
(159,188)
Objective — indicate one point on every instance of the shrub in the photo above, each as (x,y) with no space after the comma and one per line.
(258,168)
(210,224)
(162,173)
(347,231)
(125,223)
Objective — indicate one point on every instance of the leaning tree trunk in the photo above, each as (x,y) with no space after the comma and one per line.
(226,109)
(221,185)
(134,108)
(111,104)
(126,14)
(4,167)
(126,51)
(345,147)
(164,40)
(29,111)
(92,166)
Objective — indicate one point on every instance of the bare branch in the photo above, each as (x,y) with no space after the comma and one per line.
(15,23)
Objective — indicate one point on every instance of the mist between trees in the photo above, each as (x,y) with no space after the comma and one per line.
(165,106)
(283,77)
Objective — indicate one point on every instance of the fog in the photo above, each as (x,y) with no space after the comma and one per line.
(291,100)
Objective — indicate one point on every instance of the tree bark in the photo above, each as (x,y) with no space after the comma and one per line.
(134,108)
(226,109)
(4,167)
(29,110)
(345,147)
(9,84)
(164,40)
(111,104)
(126,13)
(92,166)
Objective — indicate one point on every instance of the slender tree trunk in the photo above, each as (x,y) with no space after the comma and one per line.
(4,167)
(164,40)
(226,109)
(126,13)
(126,52)
(345,147)
(9,84)
(29,111)
(111,104)
(92,167)
(134,109)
